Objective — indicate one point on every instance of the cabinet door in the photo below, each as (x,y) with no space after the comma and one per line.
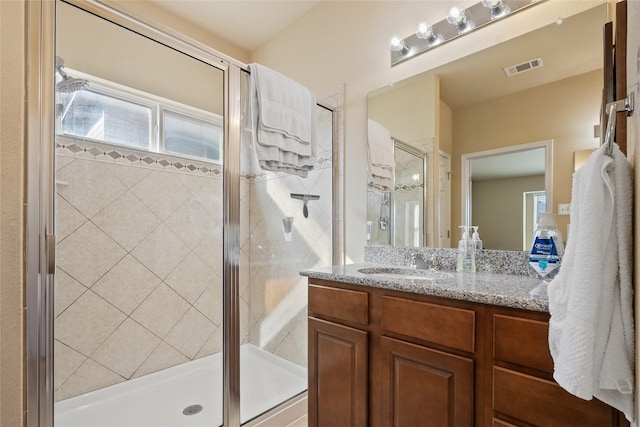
(424,387)
(338,375)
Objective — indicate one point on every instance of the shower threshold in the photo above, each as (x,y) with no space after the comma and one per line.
(187,395)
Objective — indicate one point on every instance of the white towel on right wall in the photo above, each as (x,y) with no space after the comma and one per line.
(591,331)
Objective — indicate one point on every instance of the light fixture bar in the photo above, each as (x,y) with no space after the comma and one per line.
(479,14)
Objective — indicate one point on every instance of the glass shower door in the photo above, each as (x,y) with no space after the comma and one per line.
(139,204)
(277,240)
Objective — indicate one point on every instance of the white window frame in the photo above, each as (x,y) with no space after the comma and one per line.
(158,106)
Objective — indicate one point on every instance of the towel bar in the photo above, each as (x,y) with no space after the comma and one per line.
(627,104)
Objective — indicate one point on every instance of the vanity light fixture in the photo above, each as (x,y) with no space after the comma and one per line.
(460,21)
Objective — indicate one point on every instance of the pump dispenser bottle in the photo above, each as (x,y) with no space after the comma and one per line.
(475,239)
(547,248)
(466,253)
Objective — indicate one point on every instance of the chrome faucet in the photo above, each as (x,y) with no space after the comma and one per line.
(418,260)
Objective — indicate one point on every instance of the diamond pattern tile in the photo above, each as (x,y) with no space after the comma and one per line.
(67,290)
(161,192)
(67,219)
(87,323)
(130,175)
(89,377)
(191,277)
(127,284)
(66,361)
(91,187)
(138,342)
(190,333)
(161,251)
(127,220)
(161,310)
(164,356)
(88,253)
(210,302)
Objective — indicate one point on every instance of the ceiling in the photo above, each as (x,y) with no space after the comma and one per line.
(245,23)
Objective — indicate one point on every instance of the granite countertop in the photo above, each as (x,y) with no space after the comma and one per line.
(505,290)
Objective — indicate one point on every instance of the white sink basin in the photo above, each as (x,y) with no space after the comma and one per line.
(405,273)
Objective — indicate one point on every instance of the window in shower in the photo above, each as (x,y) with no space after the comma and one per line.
(118,114)
(94,115)
(188,135)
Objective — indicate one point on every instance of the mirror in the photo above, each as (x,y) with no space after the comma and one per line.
(543,86)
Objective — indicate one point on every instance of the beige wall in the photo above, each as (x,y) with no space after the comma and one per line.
(564,111)
(357,54)
(445,128)
(497,210)
(161,18)
(12,46)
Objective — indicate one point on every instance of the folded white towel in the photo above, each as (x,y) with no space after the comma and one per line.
(381,157)
(591,331)
(380,145)
(283,121)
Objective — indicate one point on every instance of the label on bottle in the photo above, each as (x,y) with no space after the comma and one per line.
(544,256)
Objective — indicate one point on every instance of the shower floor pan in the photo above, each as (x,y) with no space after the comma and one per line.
(165,398)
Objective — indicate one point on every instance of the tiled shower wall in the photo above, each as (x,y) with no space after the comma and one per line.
(139,257)
(139,260)
(277,292)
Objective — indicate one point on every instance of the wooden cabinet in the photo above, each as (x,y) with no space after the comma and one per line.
(523,390)
(420,384)
(339,357)
(384,358)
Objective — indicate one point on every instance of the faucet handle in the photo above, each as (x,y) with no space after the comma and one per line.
(413,259)
(433,262)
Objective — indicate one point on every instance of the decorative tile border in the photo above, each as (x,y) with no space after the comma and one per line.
(78,147)
(409,187)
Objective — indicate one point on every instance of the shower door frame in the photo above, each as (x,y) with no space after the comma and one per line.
(40,196)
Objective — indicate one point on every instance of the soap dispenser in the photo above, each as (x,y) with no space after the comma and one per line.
(466,253)
(475,239)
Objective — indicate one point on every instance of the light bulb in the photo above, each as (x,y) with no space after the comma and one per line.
(425,31)
(491,3)
(397,44)
(456,16)
(498,10)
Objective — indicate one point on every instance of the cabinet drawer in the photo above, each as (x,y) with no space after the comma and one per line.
(522,341)
(340,304)
(448,326)
(500,423)
(544,403)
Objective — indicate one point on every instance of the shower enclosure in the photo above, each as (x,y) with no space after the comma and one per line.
(177,298)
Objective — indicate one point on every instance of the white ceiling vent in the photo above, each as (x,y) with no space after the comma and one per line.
(522,67)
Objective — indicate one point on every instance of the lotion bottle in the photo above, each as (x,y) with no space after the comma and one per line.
(475,239)
(466,253)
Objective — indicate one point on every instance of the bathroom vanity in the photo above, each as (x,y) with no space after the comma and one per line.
(464,350)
